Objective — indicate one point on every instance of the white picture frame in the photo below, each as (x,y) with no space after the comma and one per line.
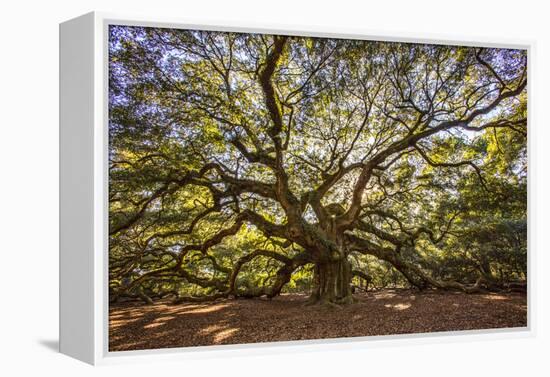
(84,184)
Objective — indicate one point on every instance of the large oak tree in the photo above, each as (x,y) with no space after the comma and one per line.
(301,152)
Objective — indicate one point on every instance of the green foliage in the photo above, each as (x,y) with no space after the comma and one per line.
(192,153)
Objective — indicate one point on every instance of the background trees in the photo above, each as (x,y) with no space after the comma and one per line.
(242,164)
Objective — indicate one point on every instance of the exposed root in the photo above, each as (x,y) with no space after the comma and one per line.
(329,304)
(312,300)
(348,300)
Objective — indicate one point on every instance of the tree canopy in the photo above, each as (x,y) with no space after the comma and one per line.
(241,165)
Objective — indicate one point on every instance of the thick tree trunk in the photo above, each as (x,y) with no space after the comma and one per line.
(332,283)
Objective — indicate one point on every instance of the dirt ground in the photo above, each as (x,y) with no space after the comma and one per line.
(134,326)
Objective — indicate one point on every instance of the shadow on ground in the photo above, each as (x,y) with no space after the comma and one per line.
(134,326)
(52,345)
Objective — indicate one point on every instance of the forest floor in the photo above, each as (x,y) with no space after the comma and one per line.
(135,326)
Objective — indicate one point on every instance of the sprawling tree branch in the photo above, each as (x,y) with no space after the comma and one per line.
(275,153)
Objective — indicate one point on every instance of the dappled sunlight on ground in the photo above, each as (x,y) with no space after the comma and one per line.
(401,306)
(223,335)
(392,311)
(496,297)
(385,294)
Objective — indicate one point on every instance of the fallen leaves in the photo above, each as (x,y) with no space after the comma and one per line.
(133,326)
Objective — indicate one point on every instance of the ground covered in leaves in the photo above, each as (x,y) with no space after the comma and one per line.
(135,326)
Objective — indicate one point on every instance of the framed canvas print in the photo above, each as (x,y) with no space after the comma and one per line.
(230,187)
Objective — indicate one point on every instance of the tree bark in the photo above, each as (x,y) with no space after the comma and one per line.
(332,283)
